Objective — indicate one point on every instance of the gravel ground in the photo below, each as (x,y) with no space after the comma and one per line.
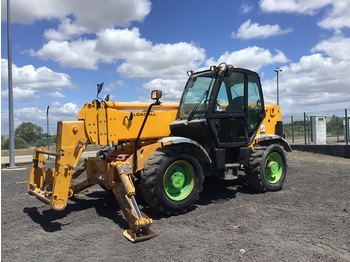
(309,220)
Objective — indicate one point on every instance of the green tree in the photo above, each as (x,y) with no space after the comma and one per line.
(3,141)
(20,143)
(298,128)
(29,132)
(335,125)
(53,139)
(41,142)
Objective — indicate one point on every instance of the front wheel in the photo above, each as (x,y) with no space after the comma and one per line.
(171,180)
(267,168)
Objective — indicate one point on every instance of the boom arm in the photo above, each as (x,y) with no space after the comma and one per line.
(100,123)
(52,186)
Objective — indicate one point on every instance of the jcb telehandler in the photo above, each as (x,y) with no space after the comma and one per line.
(221,126)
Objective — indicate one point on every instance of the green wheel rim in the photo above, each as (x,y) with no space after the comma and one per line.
(274,168)
(179,180)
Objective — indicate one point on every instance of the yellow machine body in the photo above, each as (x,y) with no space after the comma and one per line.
(105,124)
(272,121)
(101,123)
(122,126)
(111,122)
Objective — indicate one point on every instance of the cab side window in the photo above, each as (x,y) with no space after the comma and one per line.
(222,99)
(255,109)
(236,102)
(231,93)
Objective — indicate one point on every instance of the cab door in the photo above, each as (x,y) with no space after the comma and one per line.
(238,109)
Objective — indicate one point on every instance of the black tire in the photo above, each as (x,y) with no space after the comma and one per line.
(172,180)
(267,168)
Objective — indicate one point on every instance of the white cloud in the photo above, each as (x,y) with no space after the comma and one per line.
(34,78)
(114,89)
(56,95)
(319,81)
(120,43)
(79,16)
(20,94)
(65,30)
(337,47)
(55,104)
(141,58)
(245,7)
(27,12)
(28,80)
(171,89)
(172,84)
(309,7)
(115,85)
(337,17)
(75,54)
(249,30)
(162,60)
(253,58)
(68,109)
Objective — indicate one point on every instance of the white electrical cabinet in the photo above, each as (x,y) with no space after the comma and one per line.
(318,130)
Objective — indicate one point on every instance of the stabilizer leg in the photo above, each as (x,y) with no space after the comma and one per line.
(124,192)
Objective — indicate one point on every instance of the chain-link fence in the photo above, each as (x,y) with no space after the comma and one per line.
(32,129)
(38,128)
(318,128)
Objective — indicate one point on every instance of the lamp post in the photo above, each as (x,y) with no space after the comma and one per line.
(10,91)
(47,128)
(277,70)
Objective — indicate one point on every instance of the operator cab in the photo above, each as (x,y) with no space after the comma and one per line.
(220,108)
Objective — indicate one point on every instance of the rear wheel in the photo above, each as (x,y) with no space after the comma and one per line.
(171,180)
(267,168)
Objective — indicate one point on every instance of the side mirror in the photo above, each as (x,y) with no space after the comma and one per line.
(99,88)
(107,97)
(156,95)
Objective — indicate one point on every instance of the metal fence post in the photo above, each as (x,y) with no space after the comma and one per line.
(346,127)
(305,127)
(291,117)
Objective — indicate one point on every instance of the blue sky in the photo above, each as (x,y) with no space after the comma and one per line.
(62,49)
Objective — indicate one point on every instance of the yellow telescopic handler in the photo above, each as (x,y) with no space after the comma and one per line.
(220,127)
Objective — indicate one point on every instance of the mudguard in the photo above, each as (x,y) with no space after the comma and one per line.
(273,139)
(200,150)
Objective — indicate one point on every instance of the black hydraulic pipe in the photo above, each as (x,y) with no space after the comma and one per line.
(134,164)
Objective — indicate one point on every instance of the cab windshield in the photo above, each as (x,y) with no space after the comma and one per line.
(194,102)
